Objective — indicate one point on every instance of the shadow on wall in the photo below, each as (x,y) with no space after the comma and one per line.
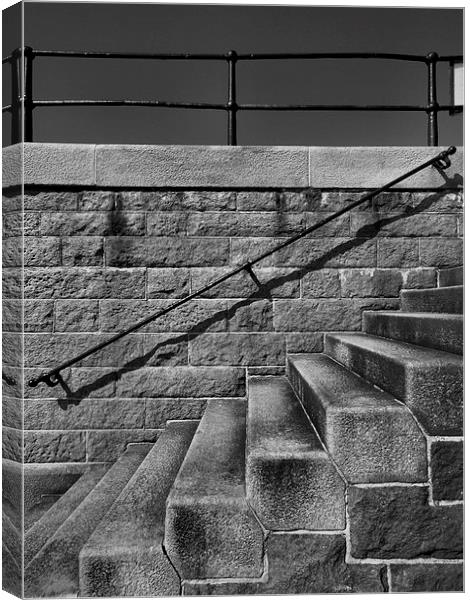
(363,235)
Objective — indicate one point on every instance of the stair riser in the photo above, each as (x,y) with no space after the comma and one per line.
(369,445)
(433,391)
(439,300)
(444,334)
(448,277)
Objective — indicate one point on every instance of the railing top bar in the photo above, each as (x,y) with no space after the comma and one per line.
(152,103)
(130,55)
(51,377)
(326,55)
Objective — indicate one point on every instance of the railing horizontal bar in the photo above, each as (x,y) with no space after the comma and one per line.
(442,157)
(340,107)
(129,55)
(450,58)
(6,108)
(328,55)
(153,103)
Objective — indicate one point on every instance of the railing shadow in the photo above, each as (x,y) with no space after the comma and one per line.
(363,235)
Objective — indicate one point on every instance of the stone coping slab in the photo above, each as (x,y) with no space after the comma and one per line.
(244,167)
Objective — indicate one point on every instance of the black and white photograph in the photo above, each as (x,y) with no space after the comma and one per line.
(232,300)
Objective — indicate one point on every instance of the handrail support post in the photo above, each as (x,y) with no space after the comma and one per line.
(433,105)
(232,99)
(28,94)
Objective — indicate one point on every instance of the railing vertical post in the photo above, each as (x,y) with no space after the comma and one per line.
(433,132)
(28,94)
(232,99)
(15,97)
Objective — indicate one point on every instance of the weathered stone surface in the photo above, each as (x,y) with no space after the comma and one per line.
(12,412)
(312,253)
(304,342)
(445,201)
(447,470)
(12,252)
(96,200)
(54,200)
(266,371)
(419,278)
(92,223)
(370,283)
(38,315)
(437,300)
(298,201)
(11,444)
(12,225)
(450,277)
(126,547)
(166,252)
(186,201)
(76,315)
(291,481)
(371,437)
(12,314)
(441,252)
(54,571)
(160,410)
(108,445)
(398,522)
(12,349)
(302,563)
(89,413)
(165,350)
(201,166)
(324,283)
(181,382)
(434,577)
(210,530)
(250,315)
(168,283)
(82,251)
(84,283)
(404,225)
(433,330)
(237,349)
(12,282)
(197,315)
(428,381)
(41,251)
(278,283)
(168,223)
(339,227)
(11,572)
(397,252)
(54,446)
(240,224)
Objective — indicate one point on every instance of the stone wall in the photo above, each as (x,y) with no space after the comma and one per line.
(98,260)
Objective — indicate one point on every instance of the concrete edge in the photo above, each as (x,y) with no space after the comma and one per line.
(223,167)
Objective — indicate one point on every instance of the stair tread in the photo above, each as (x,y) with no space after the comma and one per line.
(417,315)
(447,299)
(340,388)
(214,463)
(48,524)
(396,350)
(54,570)
(277,424)
(137,517)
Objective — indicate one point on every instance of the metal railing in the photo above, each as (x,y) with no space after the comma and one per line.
(25,101)
(52,377)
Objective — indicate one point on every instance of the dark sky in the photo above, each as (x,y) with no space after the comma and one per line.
(190,28)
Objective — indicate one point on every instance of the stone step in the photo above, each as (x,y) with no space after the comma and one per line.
(428,381)
(210,530)
(437,300)
(433,330)
(54,569)
(47,525)
(128,543)
(291,481)
(371,437)
(447,277)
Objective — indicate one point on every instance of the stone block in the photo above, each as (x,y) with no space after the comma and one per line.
(181,382)
(160,410)
(168,283)
(54,446)
(12,282)
(167,223)
(41,252)
(93,223)
(316,315)
(75,283)
(12,444)
(200,200)
(82,251)
(403,225)
(441,252)
(434,577)
(324,283)
(419,278)
(197,315)
(108,445)
(376,283)
(304,342)
(237,349)
(397,252)
(49,200)
(444,201)
(447,470)
(241,224)
(12,412)
(339,227)
(78,382)
(88,414)
(398,522)
(96,200)
(12,252)
(12,225)
(201,166)
(12,314)
(250,315)
(76,315)
(164,350)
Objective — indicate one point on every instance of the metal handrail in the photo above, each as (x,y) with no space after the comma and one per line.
(25,100)
(51,378)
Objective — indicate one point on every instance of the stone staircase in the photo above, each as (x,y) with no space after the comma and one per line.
(343,476)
